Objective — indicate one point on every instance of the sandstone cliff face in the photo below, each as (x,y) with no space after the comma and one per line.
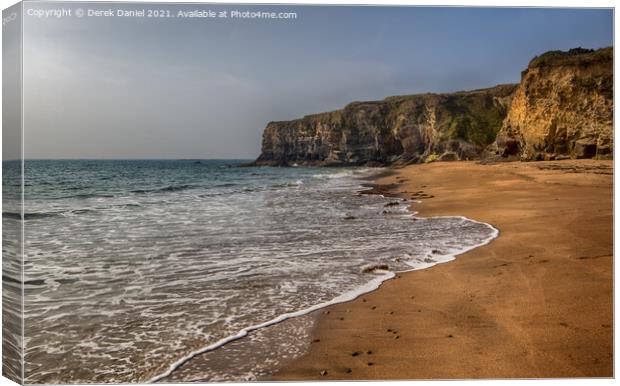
(403,129)
(563,108)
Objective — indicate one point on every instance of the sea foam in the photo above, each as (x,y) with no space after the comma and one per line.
(162,275)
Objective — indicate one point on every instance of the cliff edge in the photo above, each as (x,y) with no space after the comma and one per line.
(405,129)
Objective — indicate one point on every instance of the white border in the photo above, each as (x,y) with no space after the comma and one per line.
(469,3)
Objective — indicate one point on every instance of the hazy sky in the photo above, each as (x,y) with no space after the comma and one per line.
(206,88)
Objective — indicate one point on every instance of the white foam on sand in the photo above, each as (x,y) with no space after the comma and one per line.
(348,296)
(452,253)
(370,286)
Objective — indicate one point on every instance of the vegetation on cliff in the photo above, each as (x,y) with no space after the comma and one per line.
(575,57)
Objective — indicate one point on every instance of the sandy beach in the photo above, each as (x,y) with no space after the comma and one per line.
(534,303)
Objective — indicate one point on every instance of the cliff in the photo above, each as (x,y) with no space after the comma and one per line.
(562,108)
(403,129)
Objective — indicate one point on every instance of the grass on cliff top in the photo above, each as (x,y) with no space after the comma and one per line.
(500,90)
(574,56)
(475,119)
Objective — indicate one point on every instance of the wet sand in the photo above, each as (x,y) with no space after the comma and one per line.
(534,303)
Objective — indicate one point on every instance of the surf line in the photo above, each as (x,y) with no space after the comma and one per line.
(372,285)
(347,296)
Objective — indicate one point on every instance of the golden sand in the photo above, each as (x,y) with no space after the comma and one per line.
(534,303)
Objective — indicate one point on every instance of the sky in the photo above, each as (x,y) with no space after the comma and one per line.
(122,87)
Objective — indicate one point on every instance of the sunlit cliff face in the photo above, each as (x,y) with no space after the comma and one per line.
(562,108)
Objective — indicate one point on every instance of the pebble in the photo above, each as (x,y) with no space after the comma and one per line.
(324,372)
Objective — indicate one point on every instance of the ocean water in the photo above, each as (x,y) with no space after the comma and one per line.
(133,267)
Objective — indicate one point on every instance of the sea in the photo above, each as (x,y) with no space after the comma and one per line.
(132,268)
